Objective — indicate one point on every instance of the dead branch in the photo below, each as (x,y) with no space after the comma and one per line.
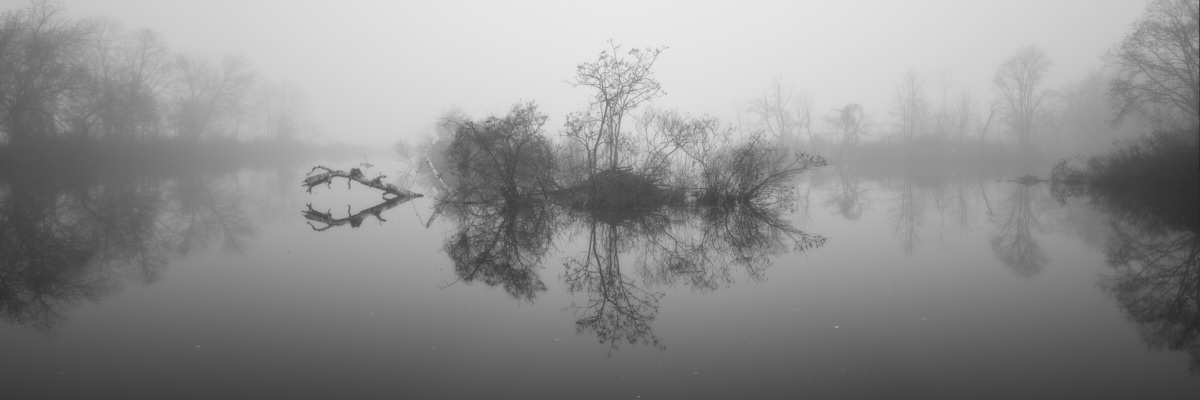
(355,175)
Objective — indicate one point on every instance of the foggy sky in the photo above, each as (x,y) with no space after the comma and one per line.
(377,71)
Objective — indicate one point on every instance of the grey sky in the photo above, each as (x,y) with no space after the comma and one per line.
(376,71)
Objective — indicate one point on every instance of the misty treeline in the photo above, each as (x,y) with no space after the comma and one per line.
(93,80)
(1146,83)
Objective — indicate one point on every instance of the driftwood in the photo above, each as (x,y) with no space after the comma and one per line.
(356,219)
(355,175)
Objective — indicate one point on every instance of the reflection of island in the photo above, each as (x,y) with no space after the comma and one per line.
(504,244)
(64,243)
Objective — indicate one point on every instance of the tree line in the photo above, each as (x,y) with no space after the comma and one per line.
(1149,78)
(94,79)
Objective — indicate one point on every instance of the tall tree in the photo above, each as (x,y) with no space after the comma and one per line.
(804,104)
(849,122)
(1016,83)
(1157,63)
(963,113)
(773,111)
(621,83)
(909,105)
(127,71)
(39,66)
(209,97)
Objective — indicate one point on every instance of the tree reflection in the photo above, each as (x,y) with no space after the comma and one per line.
(504,243)
(1014,243)
(501,243)
(64,241)
(617,309)
(1148,189)
(700,247)
(202,211)
(847,197)
(46,257)
(1157,284)
(908,215)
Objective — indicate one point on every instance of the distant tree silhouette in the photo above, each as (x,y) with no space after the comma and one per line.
(910,105)
(40,66)
(849,123)
(1016,85)
(773,112)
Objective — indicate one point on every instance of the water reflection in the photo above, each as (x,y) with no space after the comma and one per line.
(501,243)
(848,196)
(617,309)
(1153,247)
(931,207)
(504,243)
(1014,242)
(1157,284)
(908,214)
(354,219)
(66,240)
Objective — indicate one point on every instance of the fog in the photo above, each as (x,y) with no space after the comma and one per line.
(872,199)
(377,71)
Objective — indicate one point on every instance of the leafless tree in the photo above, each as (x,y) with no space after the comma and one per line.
(773,112)
(1016,83)
(1158,62)
(964,113)
(804,117)
(208,100)
(39,66)
(502,158)
(849,122)
(621,82)
(675,147)
(909,105)
(944,79)
(127,73)
(278,110)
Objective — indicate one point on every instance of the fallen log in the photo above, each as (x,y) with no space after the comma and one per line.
(355,175)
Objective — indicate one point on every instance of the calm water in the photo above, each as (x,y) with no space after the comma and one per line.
(862,287)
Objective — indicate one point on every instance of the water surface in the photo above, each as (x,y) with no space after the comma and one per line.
(863,286)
